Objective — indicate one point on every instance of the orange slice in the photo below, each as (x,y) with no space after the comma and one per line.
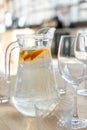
(31,55)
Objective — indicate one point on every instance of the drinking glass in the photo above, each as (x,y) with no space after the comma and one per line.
(81,55)
(62,84)
(72,71)
(4,85)
(48,118)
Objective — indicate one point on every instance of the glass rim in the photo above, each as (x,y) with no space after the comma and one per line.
(83,34)
(72,36)
(33,36)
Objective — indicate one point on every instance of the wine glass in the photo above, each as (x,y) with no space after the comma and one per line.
(81,55)
(72,71)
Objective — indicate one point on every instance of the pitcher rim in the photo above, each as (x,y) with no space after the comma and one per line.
(35,36)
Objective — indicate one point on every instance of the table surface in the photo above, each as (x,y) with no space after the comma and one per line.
(11,119)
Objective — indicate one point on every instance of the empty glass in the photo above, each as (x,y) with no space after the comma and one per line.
(72,71)
(62,84)
(49,117)
(4,85)
(4,89)
(81,55)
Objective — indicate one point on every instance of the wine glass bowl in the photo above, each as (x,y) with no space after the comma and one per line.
(81,54)
(68,64)
(72,70)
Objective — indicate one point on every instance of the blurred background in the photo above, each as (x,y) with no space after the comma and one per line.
(36,13)
(26,16)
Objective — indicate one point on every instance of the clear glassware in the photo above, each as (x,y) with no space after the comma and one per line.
(48,119)
(81,55)
(72,71)
(35,80)
(4,85)
(62,84)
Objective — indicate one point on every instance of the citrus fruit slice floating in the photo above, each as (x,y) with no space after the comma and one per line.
(32,55)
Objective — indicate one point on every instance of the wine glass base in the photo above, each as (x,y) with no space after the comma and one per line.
(82,92)
(78,124)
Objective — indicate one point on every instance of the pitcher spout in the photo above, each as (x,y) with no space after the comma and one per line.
(50,32)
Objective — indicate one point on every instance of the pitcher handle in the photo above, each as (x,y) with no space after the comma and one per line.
(8,52)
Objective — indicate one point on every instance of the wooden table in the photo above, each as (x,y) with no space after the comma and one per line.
(11,119)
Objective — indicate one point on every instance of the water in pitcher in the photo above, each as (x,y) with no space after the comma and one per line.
(34,80)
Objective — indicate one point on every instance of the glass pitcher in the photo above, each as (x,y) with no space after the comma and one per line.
(35,80)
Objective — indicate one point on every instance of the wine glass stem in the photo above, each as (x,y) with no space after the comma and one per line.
(75,113)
